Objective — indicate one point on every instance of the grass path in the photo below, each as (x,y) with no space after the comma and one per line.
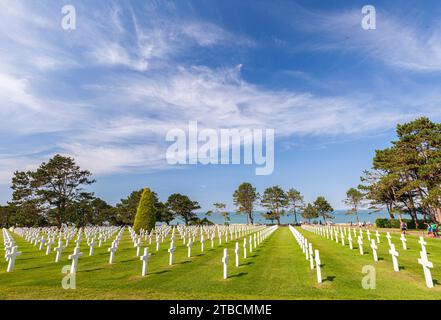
(277,269)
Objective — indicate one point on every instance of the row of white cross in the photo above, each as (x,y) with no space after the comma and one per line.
(331,232)
(308,251)
(45,237)
(259,237)
(11,250)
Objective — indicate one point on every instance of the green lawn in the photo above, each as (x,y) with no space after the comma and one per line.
(276,270)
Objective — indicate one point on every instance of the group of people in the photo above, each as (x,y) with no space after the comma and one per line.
(432,230)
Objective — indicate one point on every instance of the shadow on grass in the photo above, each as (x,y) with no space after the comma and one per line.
(159,272)
(239,275)
(247,263)
(329,278)
(401,268)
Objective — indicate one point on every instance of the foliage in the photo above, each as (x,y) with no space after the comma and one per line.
(295,202)
(181,206)
(275,200)
(146,213)
(244,199)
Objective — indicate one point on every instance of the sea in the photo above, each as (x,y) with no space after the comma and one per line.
(340,216)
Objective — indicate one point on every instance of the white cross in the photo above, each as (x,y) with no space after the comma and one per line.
(318,266)
(145,260)
(368,235)
(112,251)
(245,247)
(374,250)
(59,250)
(189,245)
(427,265)
(91,246)
(403,241)
(388,236)
(157,244)
(49,245)
(360,245)
(377,234)
(311,259)
(423,244)
(138,247)
(251,244)
(170,251)
(342,237)
(42,242)
(255,241)
(11,256)
(225,262)
(236,252)
(74,257)
(202,243)
(394,255)
(350,240)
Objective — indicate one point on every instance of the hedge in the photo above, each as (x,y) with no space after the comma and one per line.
(395,223)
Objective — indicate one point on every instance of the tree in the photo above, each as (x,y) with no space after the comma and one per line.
(220,209)
(52,186)
(275,200)
(310,212)
(163,213)
(146,213)
(126,208)
(354,199)
(244,199)
(182,207)
(295,202)
(410,171)
(323,208)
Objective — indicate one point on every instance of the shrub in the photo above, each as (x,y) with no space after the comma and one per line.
(395,223)
(146,213)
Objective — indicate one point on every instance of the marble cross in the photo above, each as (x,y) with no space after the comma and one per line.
(202,243)
(423,244)
(318,266)
(11,256)
(250,242)
(59,250)
(145,260)
(245,247)
(92,245)
(74,257)
(49,245)
(394,255)
(171,250)
(112,251)
(236,252)
(189,245)
(377,234)
(427,265)
(388,236)
(360,245)
(374,249)
(225,263)
(350,240)
(311,258)
(403,241)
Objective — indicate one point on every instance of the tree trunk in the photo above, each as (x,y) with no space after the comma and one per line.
(250,216)
(295,217)
(58,216)
(438,215)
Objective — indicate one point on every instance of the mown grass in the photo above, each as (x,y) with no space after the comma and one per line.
(277,269)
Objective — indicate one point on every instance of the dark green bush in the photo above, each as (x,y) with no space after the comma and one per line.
(395,223)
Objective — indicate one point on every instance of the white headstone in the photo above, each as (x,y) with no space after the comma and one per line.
(225,263)
(394,255)
(427,265)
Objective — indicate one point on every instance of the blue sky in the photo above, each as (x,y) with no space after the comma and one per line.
(107,92)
